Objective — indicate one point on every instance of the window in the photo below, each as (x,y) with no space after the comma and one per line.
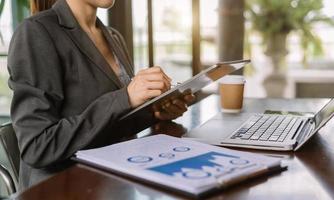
(173,35)
(209,31)
(172,44)
(6,32)
(140,34)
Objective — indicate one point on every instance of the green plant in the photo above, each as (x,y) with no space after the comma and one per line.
(273,17)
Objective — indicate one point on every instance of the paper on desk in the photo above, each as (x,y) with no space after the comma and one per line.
(182,164)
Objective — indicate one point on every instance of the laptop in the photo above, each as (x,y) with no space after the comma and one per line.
(281,132)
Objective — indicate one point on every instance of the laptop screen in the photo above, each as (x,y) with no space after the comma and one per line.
(324,115)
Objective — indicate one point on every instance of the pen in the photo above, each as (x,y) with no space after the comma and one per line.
(175,84)
(172,85)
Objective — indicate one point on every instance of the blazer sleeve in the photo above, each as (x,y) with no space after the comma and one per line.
(36,78)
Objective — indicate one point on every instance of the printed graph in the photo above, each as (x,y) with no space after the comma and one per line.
(203,166)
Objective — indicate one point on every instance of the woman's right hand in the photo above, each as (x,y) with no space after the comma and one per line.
(147,84)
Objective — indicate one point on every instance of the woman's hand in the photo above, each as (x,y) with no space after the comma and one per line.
(175,108)
(147,84)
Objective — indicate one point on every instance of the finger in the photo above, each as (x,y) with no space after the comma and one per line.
(173,109)
(180,104)
(159,115)
(152,93)
(156,69)
(163,116)
(155,107)
(159,69)
(159,74)
(145,80)
(157,77)
(156,85)
(189,98)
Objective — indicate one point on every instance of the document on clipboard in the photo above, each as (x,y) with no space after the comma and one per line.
(192,85)
(186,166)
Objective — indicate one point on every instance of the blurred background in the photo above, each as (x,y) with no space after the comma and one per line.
(290,42)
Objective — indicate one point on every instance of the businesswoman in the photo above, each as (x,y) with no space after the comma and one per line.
(72,80)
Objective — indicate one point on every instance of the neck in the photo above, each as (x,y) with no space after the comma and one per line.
(84,13)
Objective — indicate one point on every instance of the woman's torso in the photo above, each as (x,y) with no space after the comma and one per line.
(85,76)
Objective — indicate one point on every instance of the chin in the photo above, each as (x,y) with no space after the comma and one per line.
(104,3)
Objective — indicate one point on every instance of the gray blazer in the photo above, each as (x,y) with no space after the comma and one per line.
(66,96)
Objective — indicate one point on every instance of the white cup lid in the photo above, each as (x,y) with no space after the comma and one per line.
(232,79)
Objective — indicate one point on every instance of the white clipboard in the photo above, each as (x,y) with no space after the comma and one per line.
(190,86)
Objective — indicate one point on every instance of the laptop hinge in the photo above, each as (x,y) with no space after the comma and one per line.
(304,132)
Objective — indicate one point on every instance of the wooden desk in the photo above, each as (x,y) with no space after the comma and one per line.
(310,173)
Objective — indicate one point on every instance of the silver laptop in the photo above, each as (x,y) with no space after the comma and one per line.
(271,131)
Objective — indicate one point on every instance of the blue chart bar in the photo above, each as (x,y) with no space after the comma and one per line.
(195,167)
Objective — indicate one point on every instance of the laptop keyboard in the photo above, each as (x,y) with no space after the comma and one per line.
(272,128)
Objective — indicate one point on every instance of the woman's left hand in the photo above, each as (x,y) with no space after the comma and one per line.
(175,108)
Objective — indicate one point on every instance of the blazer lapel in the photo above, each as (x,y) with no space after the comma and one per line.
(89,49)
(121,51)
(117,47)
(82,41)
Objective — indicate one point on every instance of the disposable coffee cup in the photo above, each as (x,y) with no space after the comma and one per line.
(231,90)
